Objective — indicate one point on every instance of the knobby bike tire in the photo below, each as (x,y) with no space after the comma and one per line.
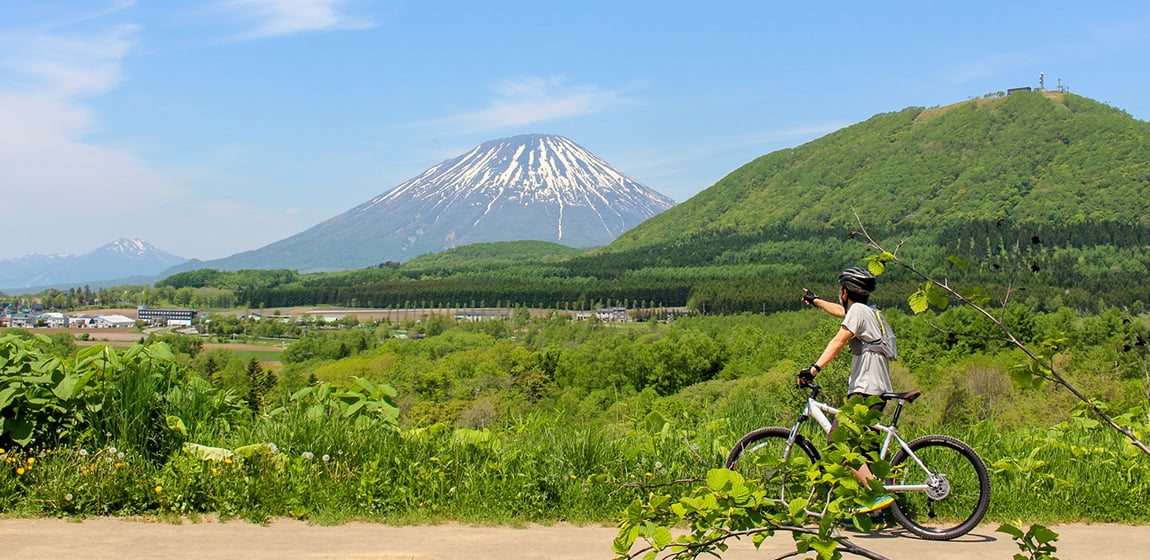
(769,442)
(952,463)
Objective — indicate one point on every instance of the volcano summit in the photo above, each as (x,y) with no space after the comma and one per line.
(530,187)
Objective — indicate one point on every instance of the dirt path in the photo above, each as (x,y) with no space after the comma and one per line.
(96,539)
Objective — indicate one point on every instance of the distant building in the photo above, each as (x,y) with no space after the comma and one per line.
(113,322)
(166,317)
(1017,89)
(612,314)
(20,321)
(79,321)
(54,320)
(479,315)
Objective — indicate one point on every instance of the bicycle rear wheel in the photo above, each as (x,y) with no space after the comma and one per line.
(758,454)
(958,493)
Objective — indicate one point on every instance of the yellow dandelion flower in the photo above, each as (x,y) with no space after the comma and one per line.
(159,489)
(215,470)
(227,461)
(1,450)
(20,471)
(433,459)
(31,460)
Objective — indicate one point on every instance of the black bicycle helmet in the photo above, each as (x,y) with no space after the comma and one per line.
(857,280)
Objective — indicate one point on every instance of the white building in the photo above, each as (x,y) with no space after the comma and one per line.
(54,320)
(114,322)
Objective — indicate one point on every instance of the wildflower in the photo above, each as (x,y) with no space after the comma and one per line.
(1,450)
(83,452)
(215,470)
(20,471)
(227,461)
(111,451)
(433,459)
(326,457)
(67,497)
(159,489)
(120,455)
(31,460)
(658,464)
(273,448)
(308,455)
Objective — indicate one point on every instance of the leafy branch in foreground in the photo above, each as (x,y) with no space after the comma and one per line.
(1037,542)
(810,501)
(1034,373)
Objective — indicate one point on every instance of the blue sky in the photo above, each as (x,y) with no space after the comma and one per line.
(218,126)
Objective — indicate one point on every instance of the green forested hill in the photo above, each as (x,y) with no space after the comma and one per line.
(1048,160)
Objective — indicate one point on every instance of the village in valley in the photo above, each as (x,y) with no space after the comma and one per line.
(35,316)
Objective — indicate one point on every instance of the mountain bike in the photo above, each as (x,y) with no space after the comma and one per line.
(941,485)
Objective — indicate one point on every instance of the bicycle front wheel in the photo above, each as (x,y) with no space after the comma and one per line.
(757,454)
(957,488)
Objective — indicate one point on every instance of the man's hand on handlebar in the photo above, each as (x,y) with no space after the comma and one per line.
(806,377)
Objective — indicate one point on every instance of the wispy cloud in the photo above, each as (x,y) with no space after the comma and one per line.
(273,18)
(530,101)
(49,168)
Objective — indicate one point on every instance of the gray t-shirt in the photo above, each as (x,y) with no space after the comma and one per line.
(870,371)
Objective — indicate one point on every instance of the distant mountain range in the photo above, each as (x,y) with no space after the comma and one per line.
(118,260)
(529,187)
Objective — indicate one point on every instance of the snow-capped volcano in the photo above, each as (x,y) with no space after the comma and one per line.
(530,187)
(564,183)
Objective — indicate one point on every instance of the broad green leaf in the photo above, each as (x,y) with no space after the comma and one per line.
(1011,530)
(162,351)
(918,302)
(176,425)
(718,479)
(1042,534)
(937,299)
(1021,377)
(205,453)
(6,397)
(826,549)
(662,537)
(66,389)
(876,267)
(254,449)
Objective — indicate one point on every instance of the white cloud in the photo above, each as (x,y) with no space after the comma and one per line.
(530,101)
(272,18)
(49,172)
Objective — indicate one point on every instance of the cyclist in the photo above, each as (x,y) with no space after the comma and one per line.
(871,342)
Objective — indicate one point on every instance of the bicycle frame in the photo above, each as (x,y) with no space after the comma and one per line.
(819,411)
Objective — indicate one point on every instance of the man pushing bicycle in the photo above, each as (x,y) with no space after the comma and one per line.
(872,345)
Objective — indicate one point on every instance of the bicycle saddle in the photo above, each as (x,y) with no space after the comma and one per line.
(907,396)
